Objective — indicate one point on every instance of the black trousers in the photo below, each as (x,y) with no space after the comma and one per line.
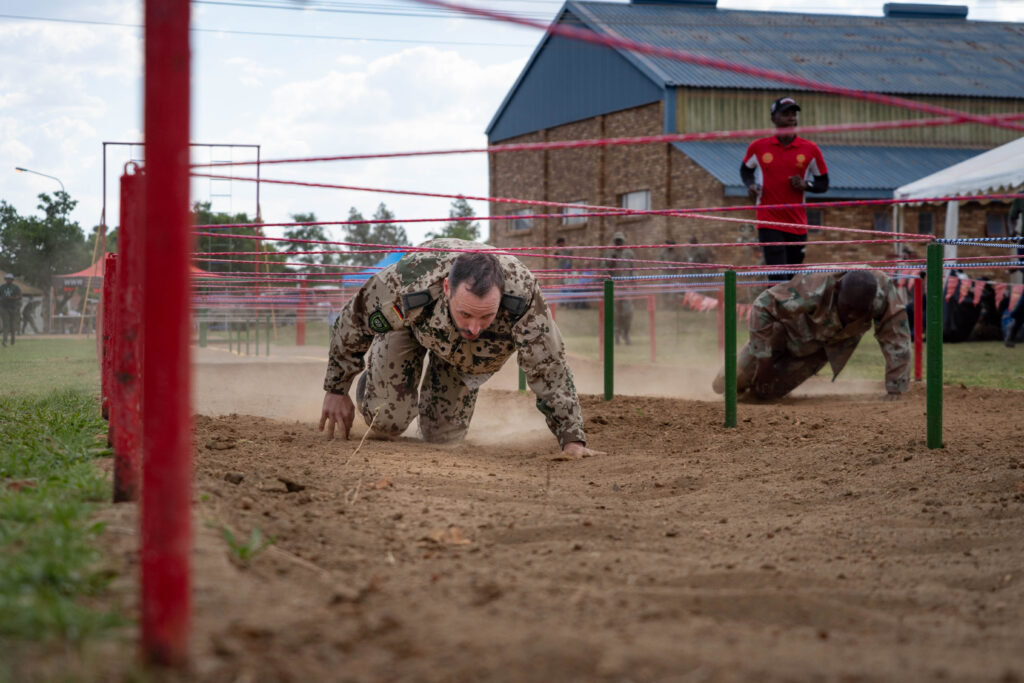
(782,255)
(9,321)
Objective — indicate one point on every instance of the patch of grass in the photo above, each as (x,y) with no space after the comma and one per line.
(49,488)
(39,366)
(244,553)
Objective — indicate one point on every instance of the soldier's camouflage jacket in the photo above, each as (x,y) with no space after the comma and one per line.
(409,295)
(806,308)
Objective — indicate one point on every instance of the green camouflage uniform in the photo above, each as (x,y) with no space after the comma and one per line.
(797,325)
(401,313)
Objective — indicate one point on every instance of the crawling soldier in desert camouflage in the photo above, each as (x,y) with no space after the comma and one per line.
(471,311)
(796,327)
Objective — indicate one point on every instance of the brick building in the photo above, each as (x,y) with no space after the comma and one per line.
(571,90)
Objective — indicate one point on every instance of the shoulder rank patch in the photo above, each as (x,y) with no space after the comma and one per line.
(378,323)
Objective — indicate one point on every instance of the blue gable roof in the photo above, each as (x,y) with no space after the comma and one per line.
(854,172)
(567,80)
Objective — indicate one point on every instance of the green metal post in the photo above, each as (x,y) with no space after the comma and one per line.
(730,348)
(522,380)
(256,331)
(231,327)
(933,314)
(247,336)
(203,329)
(268,333)
(609,339)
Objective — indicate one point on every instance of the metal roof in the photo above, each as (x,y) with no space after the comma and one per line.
(854,172)
(895,55)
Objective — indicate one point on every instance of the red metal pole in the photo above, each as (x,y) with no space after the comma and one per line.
(128,343)
(650,321)
(918,299)
(553,306)
(166,394)
(107,336)
(300,317)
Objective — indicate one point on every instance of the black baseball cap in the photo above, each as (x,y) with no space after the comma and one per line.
(784,104)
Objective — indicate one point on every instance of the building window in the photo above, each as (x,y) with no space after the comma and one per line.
(570,213)
(637,201)
(521,224)
(995,224)
(815,217)
(926,223)
(883,221)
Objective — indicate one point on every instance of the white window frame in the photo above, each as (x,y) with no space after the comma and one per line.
(639,200)
(570,215)
(521,224)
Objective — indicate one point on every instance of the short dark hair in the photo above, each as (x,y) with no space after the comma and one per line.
(857,290)
(480,271)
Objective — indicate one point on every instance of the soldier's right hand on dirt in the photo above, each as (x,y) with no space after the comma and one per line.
(337,408)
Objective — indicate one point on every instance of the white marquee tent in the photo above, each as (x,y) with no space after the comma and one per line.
(999,170)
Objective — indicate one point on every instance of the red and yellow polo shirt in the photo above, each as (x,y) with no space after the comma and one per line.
(773,163)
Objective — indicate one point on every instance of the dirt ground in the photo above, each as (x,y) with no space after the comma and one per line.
(820,540)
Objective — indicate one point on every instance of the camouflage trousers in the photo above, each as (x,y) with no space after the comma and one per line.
(390,393)
(790,372)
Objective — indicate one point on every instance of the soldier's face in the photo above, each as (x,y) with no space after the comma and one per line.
(472,314)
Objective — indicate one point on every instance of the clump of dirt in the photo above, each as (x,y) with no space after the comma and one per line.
(818,540)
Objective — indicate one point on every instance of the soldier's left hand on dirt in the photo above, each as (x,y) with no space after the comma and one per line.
(337,408)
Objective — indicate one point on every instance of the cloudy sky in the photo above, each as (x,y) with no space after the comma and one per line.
(298,78)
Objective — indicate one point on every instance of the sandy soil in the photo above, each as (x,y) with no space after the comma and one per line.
(818,541)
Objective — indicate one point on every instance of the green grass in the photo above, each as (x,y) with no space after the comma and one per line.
(49,488)
(51,571)
(38,366)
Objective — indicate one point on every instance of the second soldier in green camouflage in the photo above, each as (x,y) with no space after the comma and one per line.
(799,326)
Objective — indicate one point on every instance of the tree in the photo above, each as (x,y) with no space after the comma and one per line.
(37,248)
(308,232)
(263,259)
(460,228)
(372,233)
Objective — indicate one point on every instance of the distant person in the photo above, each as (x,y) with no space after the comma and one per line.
(778,170)
(623,318)
(799,326)
(697,254)
(10,303)
(472,310)
(1016,229)
(562,262)
(28,315)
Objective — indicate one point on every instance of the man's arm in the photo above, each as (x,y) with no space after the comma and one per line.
(542,357)
(350,339)
(893,334)
(749,179)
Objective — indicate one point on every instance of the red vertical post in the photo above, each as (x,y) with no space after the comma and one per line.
(600,330)
(918,302)
(126,411)
(166,392)
(107,336)
(300,316)
(721,319)
(553,306)
(650,323)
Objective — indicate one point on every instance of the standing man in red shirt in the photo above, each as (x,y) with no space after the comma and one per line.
(778,170)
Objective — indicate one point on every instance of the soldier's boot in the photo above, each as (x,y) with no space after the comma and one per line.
(386,393)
